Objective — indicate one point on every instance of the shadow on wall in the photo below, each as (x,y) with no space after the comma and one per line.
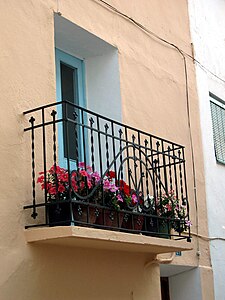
(57,272)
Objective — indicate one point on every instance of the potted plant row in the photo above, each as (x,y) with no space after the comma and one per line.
(94,199)
(105,201)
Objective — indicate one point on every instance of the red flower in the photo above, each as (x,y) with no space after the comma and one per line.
(124,188)
(83,173)
(82,185)
(89,184)
(56,169)
(46,186)
(52,191)
(40,179)
(74,185)
(64,177)
(61,188)
(111,174)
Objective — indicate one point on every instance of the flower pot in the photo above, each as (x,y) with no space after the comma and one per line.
(85,214)
(164,230)
(110,218)
(59,214)
(136,224)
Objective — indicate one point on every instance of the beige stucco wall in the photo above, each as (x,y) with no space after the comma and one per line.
(153,99)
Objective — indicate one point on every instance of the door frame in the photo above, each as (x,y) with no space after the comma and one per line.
(78,64)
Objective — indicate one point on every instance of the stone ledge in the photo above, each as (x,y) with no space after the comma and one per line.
(103,239)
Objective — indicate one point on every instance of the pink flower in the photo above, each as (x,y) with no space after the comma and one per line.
(89,169)
(188,223)
(134,198)
(113,188)
(106,184)
(169,207)
(119,198)
(96,176)
(81,165)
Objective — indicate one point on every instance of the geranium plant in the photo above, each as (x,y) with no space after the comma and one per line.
(57,182)
(168,206)
(116,193)
(83,181)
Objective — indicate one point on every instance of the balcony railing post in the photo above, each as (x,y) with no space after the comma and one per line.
(75,115)
(181,177)
(170,169)
(34,213)
(146,167)
(53,114)
(134,159)
(92,144)
(164,166)
(67,152)
(44,162)
(175,170)
(121,155)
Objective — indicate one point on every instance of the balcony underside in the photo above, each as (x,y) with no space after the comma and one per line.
(84,237)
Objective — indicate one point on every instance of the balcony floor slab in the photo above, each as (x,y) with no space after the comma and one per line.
(103,239)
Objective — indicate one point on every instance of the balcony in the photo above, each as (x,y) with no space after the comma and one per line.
(92,172)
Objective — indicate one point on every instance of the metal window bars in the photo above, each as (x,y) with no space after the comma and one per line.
(117,178)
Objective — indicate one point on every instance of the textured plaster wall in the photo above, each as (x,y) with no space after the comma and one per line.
(194,284)
(208,34)
(153,99)
(189,283)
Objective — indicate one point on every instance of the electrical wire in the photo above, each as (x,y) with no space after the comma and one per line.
(207,238)
(159,38)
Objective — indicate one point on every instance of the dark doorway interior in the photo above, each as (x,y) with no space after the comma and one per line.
(165,291)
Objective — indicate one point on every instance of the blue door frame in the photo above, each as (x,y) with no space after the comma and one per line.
(75,63)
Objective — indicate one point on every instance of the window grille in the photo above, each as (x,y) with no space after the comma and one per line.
(218,123)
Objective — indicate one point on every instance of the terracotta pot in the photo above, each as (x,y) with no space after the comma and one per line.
(80,213)
(137,224)
(110,218)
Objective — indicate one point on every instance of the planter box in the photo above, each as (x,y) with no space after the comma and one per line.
(84,214)
(59,214)
(135,224)
(110,218)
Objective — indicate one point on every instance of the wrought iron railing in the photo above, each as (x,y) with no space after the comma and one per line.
(89,170)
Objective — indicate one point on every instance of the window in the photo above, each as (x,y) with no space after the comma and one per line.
(87,74)
(218,123)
